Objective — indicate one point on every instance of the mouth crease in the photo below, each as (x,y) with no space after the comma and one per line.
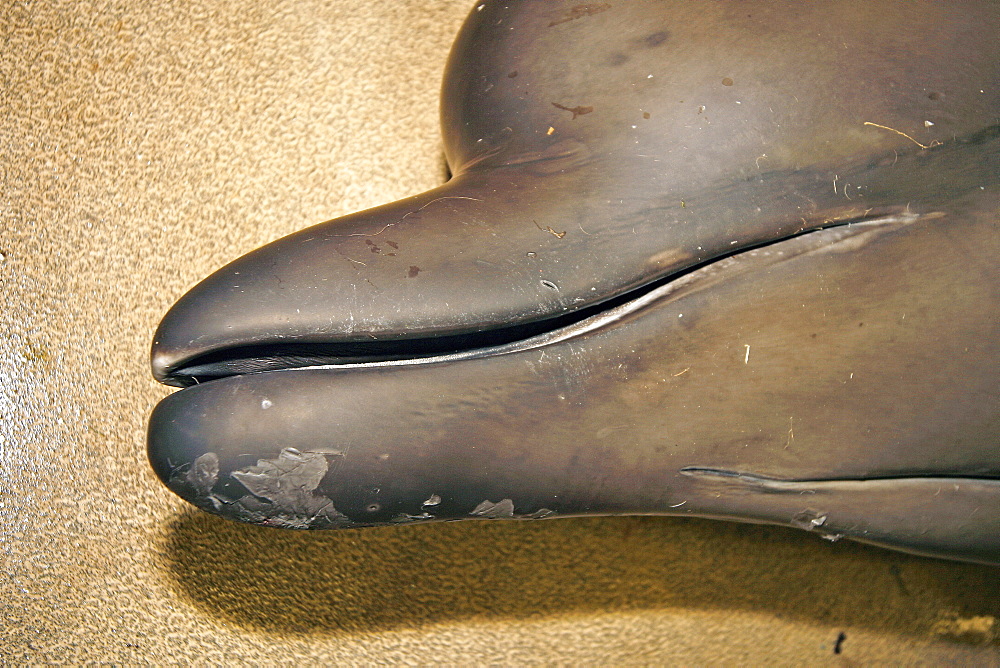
(793,484)
(242,360)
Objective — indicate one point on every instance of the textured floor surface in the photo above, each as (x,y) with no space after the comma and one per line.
(142,148)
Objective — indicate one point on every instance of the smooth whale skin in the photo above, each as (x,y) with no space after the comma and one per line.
(717,259)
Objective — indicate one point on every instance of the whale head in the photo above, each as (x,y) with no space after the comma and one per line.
(692,260)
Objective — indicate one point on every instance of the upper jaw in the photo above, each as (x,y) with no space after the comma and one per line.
(279,349)
(489,258)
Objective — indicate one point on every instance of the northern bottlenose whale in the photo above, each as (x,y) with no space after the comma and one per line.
(722,259)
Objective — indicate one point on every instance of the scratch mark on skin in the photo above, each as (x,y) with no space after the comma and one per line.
(791,434)
(682,372)
(678,505)
(407,215)
(746,358)
(903,134)
(341,254)
(576,111)
(581,11)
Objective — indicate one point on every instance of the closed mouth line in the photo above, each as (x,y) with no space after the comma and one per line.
(796,485)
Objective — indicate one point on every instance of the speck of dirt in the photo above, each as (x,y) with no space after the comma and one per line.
(576,111)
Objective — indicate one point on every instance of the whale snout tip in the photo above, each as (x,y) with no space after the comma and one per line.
(160,365)
(163,361)
(186,332)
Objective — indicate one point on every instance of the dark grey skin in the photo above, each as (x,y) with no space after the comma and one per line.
(729,260)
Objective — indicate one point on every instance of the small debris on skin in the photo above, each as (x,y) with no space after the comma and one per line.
(576,111)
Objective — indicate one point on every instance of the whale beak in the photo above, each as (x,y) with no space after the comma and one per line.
(592,318)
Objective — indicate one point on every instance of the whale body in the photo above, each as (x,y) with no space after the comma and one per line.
(717,259)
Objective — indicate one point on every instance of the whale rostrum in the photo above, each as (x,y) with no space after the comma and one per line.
(714,259)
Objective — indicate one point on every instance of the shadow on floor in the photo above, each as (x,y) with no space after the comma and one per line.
(352,581)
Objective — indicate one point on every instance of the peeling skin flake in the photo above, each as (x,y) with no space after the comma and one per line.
(281,491)
(204,473)
(284,479)
(195,482)
(811,520)
(403,518)
(541,513)
(504,509)
(500,509)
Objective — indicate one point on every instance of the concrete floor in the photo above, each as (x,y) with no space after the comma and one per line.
(142,148)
